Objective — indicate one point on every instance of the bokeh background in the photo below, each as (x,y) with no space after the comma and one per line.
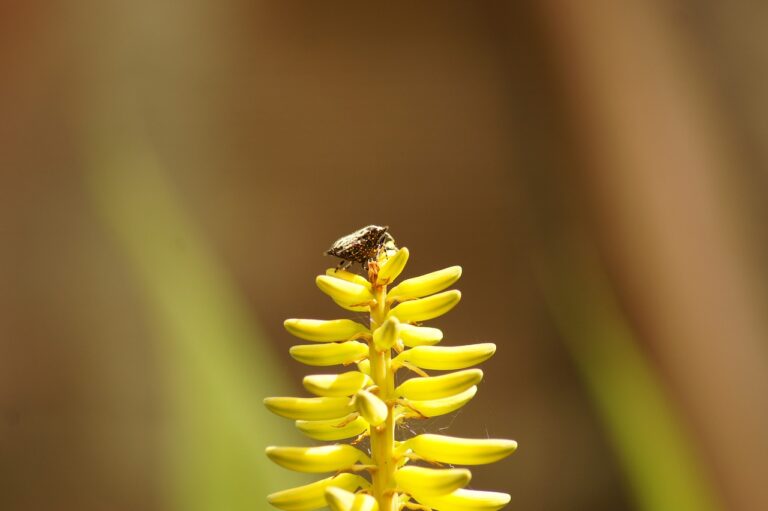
(171,173)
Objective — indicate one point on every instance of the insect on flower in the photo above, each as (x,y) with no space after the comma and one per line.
(362,246)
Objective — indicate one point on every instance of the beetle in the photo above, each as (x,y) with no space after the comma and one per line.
(362,246)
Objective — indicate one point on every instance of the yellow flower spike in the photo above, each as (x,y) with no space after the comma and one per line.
(309,408)
(467,500)
(427,308)
(385,336)
(342,500)
(343,292)
(436,387)
(459,451)
(430,481)
(312,496)
(326,331)
(324,458)
(329,354)
(367,403)
(371,407)
(392,267)
(425,285)
(446,358)
(348,276)
(413,336)
(436,407)
(336,385)
(333,429)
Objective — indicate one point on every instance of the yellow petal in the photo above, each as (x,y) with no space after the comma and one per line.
(446,358)
(324,458)
(467,500)
(348,276)
(385,336)
(334,429)
(371,407)
(309,408)
(326,331)
(429,481)
(336,385)
(329,354)
(392,267)
(435,407)
(344,292)
(312,496)
(426,308)
(425,285)
(436,387)
(353,308)
(342,500)
(460,451)
(413,336)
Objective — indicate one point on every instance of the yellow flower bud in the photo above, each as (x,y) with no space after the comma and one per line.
(391,268)
(446,358)
(333,429)
(309,408)
(459,451)
(436,387)
(326,331)
(373,409)
(426,308)
(425,285)
(429,481)
(324,458)
(336,385)
(348,276)
(467,500)
(344,292)
(385,336)
(413,336)
(342,500)
(312,496)
(329,354)
(435,407)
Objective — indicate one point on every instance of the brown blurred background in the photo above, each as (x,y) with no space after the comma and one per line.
(172,172)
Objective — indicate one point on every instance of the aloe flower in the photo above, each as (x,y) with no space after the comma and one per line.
(370,403)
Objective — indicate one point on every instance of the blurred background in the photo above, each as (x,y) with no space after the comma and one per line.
(172,173)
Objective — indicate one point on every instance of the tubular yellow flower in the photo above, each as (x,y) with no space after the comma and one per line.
(336,385)
(326,331)
(366,402)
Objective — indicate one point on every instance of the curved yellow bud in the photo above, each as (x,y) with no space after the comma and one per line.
(324,458)
(309,408)
(446,358)
(436,387)
(342,500)
(460,451)
(326,331)
(329,354)
(425,285)
(344,292)
(435,407)
(392,267)
(430,481)
(426,308)
(312,496)
(385,336)
(336,385)
(333,429)
(353,308)
(348,276)
(467,500)
(371,407)
(364,366)
(413,336)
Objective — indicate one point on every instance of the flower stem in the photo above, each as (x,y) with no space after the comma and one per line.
(383,436)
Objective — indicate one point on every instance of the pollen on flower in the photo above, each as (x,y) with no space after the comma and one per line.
(364,402)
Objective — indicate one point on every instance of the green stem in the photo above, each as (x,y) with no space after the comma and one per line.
(383,436)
